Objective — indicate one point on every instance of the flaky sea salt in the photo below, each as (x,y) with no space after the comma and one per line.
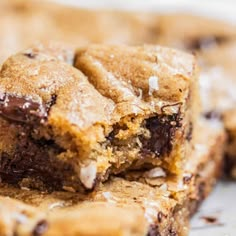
(109,197)
(164,187)
(153,84)
(151,209)
(56,205)
(155,173)
(88,174)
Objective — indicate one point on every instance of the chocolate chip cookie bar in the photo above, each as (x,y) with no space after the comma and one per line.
(214,42)
(152,204)
(75,118)
(219,87)
(18,25)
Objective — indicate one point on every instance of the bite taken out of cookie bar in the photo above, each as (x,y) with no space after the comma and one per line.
(149,204)
(74,119)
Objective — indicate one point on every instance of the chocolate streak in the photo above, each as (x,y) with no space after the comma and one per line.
(32,158)
(35,159)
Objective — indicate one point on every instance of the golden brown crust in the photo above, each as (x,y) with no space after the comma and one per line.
(168,65)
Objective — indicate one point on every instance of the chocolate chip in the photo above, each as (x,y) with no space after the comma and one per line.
(30,55)
(211,115)
(229,163)
(40,228)
(210,219)
(206,42)
(111,136)
(21,109)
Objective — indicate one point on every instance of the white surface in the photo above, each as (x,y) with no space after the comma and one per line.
(222,202)
(223,9)
(221,205)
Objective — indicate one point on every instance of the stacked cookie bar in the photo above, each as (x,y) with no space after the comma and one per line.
(105,132)
(115,109)
(111,132)
(209,37)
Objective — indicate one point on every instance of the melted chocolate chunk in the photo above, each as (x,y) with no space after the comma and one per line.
(206,42)
(40,228)
(21,109)
(32,160)
(162,129)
